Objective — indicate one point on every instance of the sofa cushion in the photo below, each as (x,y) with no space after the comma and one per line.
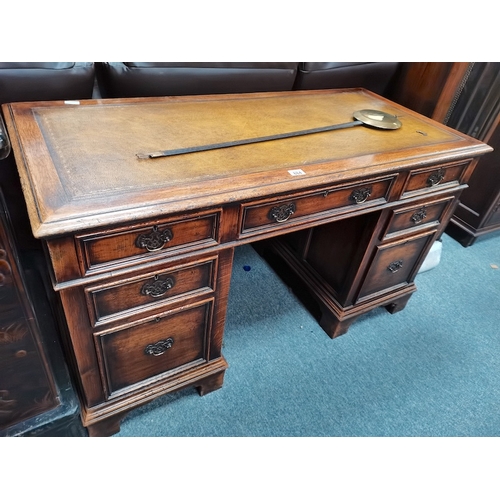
(374,76)
(45,81)
(143,79)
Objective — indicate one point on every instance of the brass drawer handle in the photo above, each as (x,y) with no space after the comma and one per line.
(435,178)
(158,287)
(360,195)
(419,215)
(395,266)
(154,240)
(282,213)
(159,348)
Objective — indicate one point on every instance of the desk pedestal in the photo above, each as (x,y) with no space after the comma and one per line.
(141,248)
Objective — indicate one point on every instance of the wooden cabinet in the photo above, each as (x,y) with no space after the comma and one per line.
(477,113)
(27,385)
(141,248)
(466,97)
(429,87)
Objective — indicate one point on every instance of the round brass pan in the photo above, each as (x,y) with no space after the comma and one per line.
(377,119)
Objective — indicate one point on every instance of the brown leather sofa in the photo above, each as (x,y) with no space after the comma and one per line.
(143,79)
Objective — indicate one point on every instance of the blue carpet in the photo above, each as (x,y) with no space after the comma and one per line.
(432,369)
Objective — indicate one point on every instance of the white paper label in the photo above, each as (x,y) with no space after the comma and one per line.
(296,172)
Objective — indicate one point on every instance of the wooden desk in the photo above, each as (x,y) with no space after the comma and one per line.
(141,249)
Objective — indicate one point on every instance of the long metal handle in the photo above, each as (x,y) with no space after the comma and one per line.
(221,145)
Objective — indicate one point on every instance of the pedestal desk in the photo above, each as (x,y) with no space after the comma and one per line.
(141,248)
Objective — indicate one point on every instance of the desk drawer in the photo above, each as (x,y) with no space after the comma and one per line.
(434,178)
(155,347)
(395,264)
(289,210)
(417,216)
(118,299)
(126,245)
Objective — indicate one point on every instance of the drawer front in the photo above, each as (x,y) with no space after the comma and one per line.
(395,264)
(155,347)
(290,210)
(417,216)
(115,300)
(433,178)
(143,241)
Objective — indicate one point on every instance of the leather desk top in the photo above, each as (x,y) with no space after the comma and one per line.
(79,168)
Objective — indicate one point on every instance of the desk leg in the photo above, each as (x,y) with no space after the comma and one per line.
(333,326)
(211,384)
(398,304)
(107,427)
